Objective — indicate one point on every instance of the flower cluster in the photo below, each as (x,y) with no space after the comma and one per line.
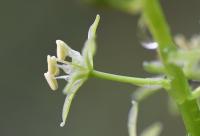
(76,71)
(187,56)
(187,44)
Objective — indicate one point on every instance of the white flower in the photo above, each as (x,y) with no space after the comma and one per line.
(76,71)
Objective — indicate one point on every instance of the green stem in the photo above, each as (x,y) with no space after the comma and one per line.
(180,90)
(131,80)
(154,67)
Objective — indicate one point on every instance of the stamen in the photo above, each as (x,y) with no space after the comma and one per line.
(63,77)
(51,81)
(62,50)
(52,65)
(70,64)
(64,62)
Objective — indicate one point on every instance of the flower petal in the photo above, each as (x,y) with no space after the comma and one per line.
(69,99)
(90,45)
(68,69)
(93,28)
(132,119)
(143,92)
(153,130)
(76,57)
(88,56)
(66,108)
(72,80)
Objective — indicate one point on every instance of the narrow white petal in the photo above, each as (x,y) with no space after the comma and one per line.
(132,119)
(68,69)
(143,92)
(93,27)
(88,52)
(66,108)
(74,79)
(90,44)
(69,86)
(68,101)
(76,57)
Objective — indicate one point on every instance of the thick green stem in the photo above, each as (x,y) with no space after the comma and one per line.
(131,80)
(180,90)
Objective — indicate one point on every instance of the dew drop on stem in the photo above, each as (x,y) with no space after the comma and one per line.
(145,36)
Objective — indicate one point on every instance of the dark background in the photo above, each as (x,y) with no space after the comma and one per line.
(28,30)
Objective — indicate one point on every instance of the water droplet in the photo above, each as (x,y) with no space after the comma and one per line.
(150,45)
(145,36)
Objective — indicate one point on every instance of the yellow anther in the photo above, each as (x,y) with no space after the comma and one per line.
(51,81)
(52,65)
(62,49)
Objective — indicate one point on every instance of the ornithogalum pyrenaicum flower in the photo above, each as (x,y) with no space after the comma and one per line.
(76,72)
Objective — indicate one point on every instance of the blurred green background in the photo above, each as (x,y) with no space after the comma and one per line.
(28,30)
